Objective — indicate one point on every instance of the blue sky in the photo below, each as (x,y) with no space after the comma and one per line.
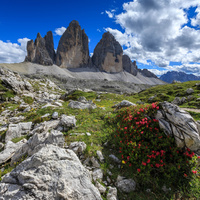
(160,35)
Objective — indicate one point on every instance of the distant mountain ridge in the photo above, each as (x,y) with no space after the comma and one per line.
(169,77)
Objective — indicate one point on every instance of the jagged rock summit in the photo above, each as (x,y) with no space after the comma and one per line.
(73,51)
(42,50)
(108,54)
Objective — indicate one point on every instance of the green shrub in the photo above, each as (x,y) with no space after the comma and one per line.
(28,100)
(152,156)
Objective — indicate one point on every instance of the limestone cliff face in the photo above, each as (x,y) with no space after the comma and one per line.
(73,51)
(129,66)
(42,50)
(108,54)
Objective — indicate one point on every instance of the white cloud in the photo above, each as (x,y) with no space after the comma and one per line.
(156,30)
(60,31)
(110,14)
(99,30)
(196,21)
(13,52)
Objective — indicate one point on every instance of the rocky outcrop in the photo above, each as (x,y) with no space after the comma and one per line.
(179,124)
(147,73)
(73,51)
(51,173)
(108,54)
(129,66)
(42,50)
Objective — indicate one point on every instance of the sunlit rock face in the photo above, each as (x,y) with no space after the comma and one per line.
(108,54)
(42,50)
(73,51)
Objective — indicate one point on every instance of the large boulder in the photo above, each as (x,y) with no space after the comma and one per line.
(108,54)
(38,141)
(129,66)
(17,130)
(42,50)
(179,124)
(9,150)
(73,51)
(51,173)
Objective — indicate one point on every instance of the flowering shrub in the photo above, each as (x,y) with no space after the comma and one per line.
(149,153)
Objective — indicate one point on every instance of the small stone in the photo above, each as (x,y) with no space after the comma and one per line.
(46,115)
(112,193)
(100,156)
(1,145)
(189,91)
(78,147)
(100,187)
(58,104)
(97,174)
(55,115)
(88,134)
(95,162)
(125,185)
(114,158)
(68,121)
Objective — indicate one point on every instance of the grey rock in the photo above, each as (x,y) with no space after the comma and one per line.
(95,162)
(152,99)
(100,187)
(51,173)
(129,66)
(9,150)
(16,119)
(190,98)
(58,104)
(82,99)
(55,115)
(38,141)
(108,54)
(123,103)
(17,130)
(100,156)
(189,91)
(42,50)
(147,73)
(68,121)
(80,105)
(78,147)
(1,145)
(114,158)
(178,123)
(12,80)
(179,101)
(73,51)
(125,185)
(112,193)
(97,174)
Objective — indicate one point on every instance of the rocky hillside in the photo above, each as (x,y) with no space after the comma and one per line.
(169,77)
(57,144)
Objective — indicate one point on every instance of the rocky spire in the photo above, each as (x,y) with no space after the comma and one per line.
(73,51)
(129,66)
(42,50)
(108,54)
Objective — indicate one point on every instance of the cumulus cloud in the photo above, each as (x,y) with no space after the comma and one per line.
(60,31)
(157,31)
(13,52)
